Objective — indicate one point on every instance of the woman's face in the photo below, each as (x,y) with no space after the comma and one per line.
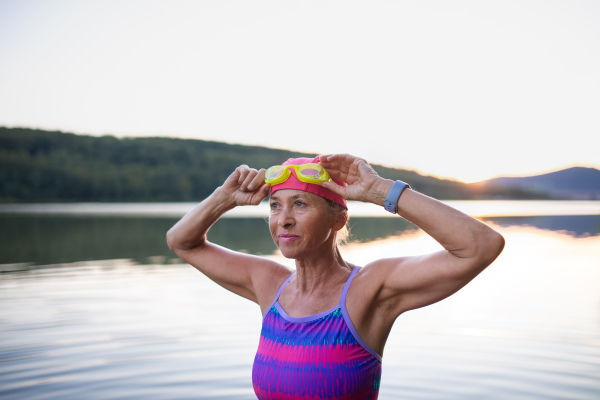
(301,223)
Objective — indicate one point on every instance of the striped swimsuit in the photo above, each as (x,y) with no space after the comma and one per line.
(319,356)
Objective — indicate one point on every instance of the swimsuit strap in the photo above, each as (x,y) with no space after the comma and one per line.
(349,321)
(342,298)
(282,286)
(279,292)
(347,285)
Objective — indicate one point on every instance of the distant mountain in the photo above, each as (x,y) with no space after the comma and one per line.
(576,183)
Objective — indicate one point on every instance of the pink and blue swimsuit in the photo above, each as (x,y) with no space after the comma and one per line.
(314,357)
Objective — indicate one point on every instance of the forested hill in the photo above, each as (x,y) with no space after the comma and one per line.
(45,166)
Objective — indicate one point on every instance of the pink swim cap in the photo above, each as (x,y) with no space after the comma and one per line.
(294,183)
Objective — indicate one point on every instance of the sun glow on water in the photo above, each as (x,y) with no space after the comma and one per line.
(526,327)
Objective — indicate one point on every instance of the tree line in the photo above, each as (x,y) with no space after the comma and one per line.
(53,166)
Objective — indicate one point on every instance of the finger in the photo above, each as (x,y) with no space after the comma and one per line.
(337,171)
(337,174)
(329,160)
(258,179)
(337,162)
(337,158)
(263,192)
(243,170)
(255,198)
(248,178)
(232,179)
(335,188)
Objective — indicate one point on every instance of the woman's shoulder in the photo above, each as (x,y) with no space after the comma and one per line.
(379,270)
(271,273)
(371,280)
(269,280)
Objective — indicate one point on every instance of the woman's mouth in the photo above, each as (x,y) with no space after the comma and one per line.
(286,237)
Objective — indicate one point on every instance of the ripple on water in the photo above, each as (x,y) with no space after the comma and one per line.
(123,331)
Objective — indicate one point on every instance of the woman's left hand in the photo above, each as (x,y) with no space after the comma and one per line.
(364,184)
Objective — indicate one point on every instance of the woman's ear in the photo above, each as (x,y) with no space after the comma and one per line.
(340,221)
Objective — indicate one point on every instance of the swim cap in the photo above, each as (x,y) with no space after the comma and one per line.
(294,183)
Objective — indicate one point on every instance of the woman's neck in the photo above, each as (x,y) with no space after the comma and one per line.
(320,272)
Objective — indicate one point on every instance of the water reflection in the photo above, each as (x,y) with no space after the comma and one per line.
(46,239)
(59,239)
(574,225)
(52,239)
(527,327)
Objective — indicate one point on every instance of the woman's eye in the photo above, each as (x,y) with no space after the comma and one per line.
(299,204)
(273,206)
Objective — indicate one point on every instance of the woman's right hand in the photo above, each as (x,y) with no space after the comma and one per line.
(245,186)
(363,183)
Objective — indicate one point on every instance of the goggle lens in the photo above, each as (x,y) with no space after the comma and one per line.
(274,172)
(308,171)
(311,173)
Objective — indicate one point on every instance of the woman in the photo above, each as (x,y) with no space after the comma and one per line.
(325,325)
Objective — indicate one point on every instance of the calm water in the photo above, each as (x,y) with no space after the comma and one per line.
(93,305)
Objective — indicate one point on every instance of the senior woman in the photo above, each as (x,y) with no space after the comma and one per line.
(326,323)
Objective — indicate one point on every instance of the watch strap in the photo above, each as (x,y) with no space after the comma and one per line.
(391,201)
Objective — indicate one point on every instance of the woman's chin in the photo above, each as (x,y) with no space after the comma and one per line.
(288,253)
(291,252)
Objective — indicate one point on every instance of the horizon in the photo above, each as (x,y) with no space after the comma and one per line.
(464,90)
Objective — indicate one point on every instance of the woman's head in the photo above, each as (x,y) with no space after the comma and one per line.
(305,215)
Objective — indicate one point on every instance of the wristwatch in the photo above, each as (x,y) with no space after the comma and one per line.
(391,201)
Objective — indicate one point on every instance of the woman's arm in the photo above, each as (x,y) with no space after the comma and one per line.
(405,283)
(245,275)
(469,247)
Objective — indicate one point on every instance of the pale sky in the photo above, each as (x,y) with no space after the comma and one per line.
(461,89)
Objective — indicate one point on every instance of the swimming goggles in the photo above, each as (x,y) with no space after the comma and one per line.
(309,173)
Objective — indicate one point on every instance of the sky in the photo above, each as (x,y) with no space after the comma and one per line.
(462,89)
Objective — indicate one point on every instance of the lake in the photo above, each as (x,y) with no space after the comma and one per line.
(93,305)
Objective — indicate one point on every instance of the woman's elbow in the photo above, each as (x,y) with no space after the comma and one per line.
(177,244)
(492,245)
(171,240)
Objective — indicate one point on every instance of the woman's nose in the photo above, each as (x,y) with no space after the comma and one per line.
(286,218)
